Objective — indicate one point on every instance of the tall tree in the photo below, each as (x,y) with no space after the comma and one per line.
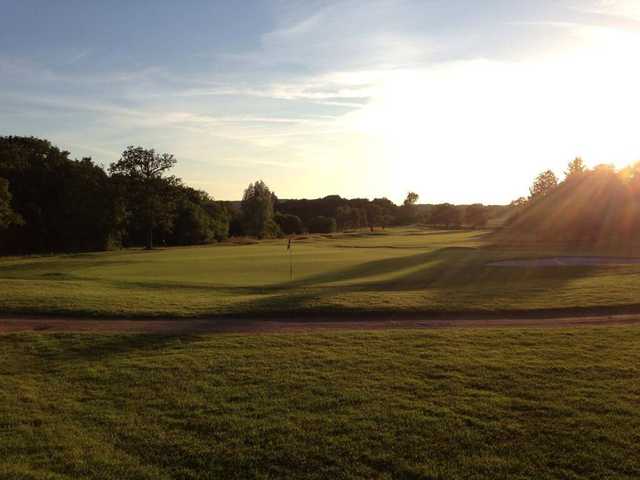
(544,184)
(408,212)
(575,168)
(148,191)
(257,211)
(411,199)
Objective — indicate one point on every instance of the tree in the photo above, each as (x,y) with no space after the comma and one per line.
(257,211)
(348,217)
(408,212)
(575,168)
(544,184)
(146,188)
(476,215)
(411,199)
(381,212)
(7,216)
(322,225)
(198,219)
(289,224)
(445,214)
(66,205)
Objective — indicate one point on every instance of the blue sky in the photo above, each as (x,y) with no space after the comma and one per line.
(461,101)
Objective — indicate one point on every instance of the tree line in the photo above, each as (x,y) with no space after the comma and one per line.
(589,206)
(50,202)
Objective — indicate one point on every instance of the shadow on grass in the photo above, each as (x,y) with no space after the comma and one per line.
(457,280)
(96,348)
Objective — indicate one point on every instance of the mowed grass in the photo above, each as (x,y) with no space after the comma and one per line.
(398,271)
(430,404)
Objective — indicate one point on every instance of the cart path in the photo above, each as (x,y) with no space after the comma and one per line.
(251,326)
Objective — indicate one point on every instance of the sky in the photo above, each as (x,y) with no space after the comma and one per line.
(459,101)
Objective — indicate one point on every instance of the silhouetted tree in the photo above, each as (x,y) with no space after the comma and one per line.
(544,183)
(411,199)
(66,205)
(408,212)
(148,193)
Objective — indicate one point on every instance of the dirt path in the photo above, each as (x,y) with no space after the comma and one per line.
(247,326)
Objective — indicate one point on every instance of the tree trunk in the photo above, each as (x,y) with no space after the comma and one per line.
(150,239)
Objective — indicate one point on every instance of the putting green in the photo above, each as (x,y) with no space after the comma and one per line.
(398,271)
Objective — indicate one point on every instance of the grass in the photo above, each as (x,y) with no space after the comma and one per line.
(401,271)
(439,404)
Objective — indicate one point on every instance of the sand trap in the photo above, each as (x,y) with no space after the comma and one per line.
(567,262)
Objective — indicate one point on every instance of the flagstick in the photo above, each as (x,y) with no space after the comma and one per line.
(290,264)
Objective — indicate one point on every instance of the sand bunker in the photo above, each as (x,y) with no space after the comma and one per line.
(567,262)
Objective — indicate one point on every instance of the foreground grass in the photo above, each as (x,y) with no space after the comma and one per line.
(398,404)
(402,270)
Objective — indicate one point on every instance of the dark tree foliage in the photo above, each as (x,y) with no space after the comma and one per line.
(198,219)
(306,210)
(65,204)
(289,224)
(348,217)
(149,195)
(354,213)
(411,199)
(408,212)
(383,212)
(446,215)
(7,216)
(50,203)
(476,215)
(322,225)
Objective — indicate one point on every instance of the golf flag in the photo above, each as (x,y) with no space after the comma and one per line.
(289,245)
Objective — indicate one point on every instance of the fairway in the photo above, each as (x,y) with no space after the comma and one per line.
(400,271)
(446,404)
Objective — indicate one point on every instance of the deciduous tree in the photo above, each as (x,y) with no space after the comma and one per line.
(544,184)
(146,187)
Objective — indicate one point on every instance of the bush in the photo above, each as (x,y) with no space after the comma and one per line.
(322,225)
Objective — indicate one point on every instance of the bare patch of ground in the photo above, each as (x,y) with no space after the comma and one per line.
(248,326)
(567,262)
